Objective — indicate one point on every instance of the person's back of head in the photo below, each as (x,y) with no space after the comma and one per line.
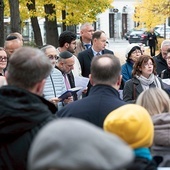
(27,66)
(66,37)
(154,100)
(133,124)
(74,144)
(105,69)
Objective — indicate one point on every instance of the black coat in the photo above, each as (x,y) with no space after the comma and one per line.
(160,63)
(152,39)
(22,114)
(94,108)
(85,58)
(142,164)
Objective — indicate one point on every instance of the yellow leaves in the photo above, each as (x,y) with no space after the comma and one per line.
(152,12)
(78,11)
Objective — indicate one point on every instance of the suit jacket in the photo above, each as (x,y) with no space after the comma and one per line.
(94,108)
(85,58)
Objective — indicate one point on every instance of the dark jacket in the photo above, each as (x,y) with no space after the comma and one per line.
(94,108)
(132,89)
(160,63)
(152,39)
(142,164)
(85,58)
(165,74)
(22,114)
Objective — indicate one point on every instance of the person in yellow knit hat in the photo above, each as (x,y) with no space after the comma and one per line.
(133,124)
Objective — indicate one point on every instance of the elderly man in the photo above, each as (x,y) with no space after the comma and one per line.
(160,58)
(23,110)
(65,64)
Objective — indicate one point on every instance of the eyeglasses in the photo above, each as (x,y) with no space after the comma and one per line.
(3,58)
(137,51)
(148,64)
(52,57)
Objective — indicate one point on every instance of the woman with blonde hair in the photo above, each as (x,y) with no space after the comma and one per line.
(156,101)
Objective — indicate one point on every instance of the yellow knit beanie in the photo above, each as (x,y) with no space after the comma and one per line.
(132,123)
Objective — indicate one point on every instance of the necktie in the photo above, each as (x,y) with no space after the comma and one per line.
(66,82)
(98,54)
(87,46)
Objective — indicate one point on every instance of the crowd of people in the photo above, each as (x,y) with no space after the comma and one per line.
(99,130)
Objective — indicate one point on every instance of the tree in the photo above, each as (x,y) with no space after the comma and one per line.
(35,25)
(2,23)
(152,12)
(51,25)
(76,12)
(15,16)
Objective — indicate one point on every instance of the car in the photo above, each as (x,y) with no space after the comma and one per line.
(160,30)
(138,36)
(127,34)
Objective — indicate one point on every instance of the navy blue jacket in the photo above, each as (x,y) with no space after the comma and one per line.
(94,108)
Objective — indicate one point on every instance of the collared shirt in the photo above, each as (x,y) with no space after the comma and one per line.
(96,53)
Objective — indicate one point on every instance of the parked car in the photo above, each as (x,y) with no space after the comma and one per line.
(138,36)
(127,34)
(160,30)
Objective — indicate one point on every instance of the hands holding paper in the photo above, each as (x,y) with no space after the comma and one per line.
(54,100)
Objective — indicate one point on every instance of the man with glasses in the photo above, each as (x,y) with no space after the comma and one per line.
(65,64)
(160,59)
(55,85)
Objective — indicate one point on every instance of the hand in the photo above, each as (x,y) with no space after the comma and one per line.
(68,100)
(54,100)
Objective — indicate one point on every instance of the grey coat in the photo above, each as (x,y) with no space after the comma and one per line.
(161,146)
(132,89)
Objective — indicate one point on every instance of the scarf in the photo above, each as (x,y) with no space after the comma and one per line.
(147,83)
(143,153)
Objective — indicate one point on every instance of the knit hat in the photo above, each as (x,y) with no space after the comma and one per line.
(77,145)
(130,48)
(65,54)
(133,124)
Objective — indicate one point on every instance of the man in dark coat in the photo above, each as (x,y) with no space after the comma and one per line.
(152,42)
(103,97)
(22,110)
(160,58)
(99,40)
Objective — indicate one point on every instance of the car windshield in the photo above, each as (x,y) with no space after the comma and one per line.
(136,32)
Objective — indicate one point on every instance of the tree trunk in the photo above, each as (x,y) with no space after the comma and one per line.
(51,26)
(15,16)
(35,25)
(63,23)
(2,23)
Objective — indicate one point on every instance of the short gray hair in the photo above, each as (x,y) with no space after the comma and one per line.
(28,66)
(165,43)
